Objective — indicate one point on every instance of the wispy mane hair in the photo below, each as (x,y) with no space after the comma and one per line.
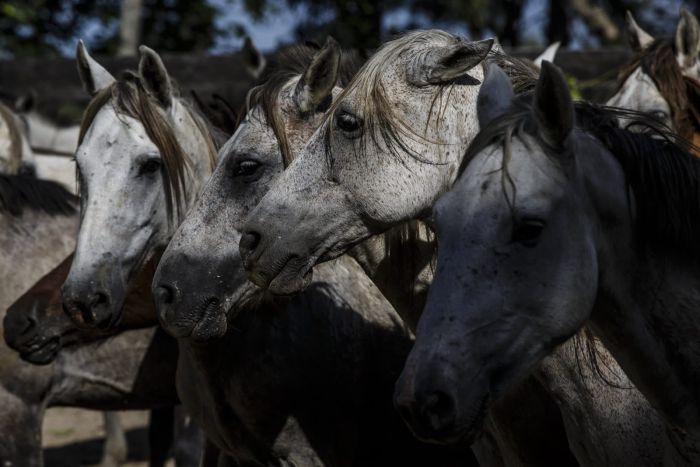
(660,171)
(20,192)
(658,61)
(382,122)
(129,97)
(288,64)
(15,155)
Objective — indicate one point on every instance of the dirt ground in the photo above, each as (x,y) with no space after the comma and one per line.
(74,437)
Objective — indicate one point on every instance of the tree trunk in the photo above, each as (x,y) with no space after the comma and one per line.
(558,28)
(597,19)
(130,28)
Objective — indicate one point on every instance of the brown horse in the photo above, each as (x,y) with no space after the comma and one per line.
(37,328)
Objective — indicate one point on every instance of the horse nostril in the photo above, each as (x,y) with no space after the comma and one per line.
(249,241)
(100,299)
(29,325)
(164,295)
(438,410)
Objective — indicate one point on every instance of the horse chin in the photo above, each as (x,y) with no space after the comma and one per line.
(291,280)
(286,276)
(43,352)
(212,326)
(201,323)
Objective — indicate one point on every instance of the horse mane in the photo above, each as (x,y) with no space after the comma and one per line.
(19,192)
(659,169)
(129,97)
(287,64)
(522,72)
(386,124)
(15,156)
(658,61)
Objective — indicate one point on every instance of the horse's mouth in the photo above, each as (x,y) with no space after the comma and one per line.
(464,432)
(204,322)
(40,351)
(286,276)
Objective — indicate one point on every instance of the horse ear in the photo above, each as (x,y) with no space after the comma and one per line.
(495,95)
(548,54)
(253,60)
(553,107)
(497,47)
(687,39)
(446,64)
(94,77)
(155,77)
(638,38)
(317,82)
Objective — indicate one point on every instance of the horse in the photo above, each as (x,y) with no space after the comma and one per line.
(16,156)
(53,145)
(38,224)
(663,79)
(389,146)
(158,152)
(562,218)
(36,327)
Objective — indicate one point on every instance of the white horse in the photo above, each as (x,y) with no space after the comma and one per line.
(663,79)
(143,157)
(16,155)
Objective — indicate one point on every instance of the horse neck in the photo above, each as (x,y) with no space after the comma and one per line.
(27,258)
(400,268)
(647,302)
(647,316)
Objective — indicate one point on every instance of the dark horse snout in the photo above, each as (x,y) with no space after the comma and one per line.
(88,306)
(19,327)
(35,343)
(427,408)
(186,309)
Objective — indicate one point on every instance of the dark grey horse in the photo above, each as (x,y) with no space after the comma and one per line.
(560,219)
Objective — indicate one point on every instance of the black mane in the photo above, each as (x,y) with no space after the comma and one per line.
(19,192)
(659,168)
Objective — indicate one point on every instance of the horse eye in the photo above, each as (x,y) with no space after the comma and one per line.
(347,122)
(246,167)
(659,115)
(528,232)
(150,166)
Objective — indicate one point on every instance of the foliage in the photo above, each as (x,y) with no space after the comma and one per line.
(49,27)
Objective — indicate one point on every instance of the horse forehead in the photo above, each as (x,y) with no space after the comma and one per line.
(533,173)
(253,135)
(114,137)
(637,87)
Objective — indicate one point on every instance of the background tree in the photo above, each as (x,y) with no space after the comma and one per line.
(49,27)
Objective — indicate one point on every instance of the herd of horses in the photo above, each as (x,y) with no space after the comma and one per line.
(432,258)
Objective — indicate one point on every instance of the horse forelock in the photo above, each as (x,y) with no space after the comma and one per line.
(383,123)
(128,97)
(290,63)
(15,134)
